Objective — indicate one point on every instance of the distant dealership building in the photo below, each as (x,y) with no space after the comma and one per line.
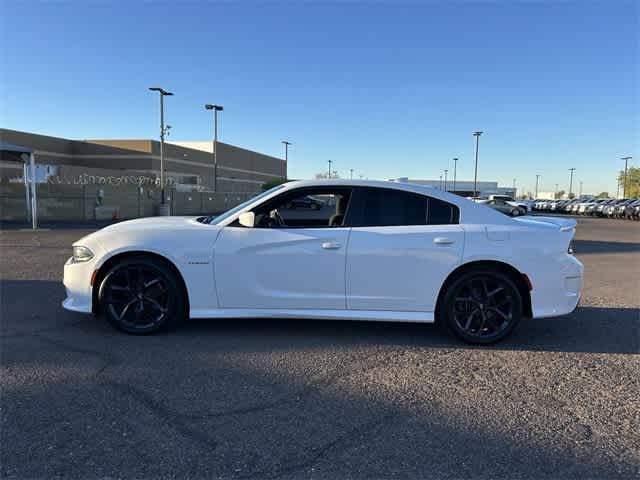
(462,187)
(188,165)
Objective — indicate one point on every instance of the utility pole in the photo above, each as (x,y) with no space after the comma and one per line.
(351,173)
(329,168)
(455,164)
(286,157)
(475,170)
(571,181)
(440,187)
(445,179)
(580,189)
(163,93)
(624,185)
(537,178)
(216,109)
(556,195)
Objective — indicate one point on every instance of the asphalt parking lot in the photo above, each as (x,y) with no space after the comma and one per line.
(291,399)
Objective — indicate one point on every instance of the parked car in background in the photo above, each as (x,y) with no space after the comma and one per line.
(510,201)
(503,206)
(599,210)
(307,202)
(589,207)
(632,211)
(387,251)
(616,209)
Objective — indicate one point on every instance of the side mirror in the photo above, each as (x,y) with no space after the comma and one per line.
(247,219)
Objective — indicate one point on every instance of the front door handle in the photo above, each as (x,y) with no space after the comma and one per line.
(442,241)
(330,245)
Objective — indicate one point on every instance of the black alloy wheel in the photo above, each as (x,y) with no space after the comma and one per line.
(141,295)
(482,306)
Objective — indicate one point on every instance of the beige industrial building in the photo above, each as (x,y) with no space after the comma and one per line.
(188,165)
(94,179)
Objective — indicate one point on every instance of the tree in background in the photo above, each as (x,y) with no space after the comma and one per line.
(559,194)
(273,183)
(603,195)
(633,182)
(571,196)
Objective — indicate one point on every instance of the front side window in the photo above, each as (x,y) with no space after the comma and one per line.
(305,208)
(380,207)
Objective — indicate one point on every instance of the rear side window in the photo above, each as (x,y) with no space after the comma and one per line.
(380,207)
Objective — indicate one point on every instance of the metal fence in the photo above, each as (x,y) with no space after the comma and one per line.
(108,201)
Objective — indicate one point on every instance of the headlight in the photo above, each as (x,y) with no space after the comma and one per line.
(81,254)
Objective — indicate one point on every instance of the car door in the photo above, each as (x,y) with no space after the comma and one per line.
(296,265)
(401,248)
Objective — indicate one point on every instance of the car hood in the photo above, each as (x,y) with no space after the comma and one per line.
(143,227)
(152,223)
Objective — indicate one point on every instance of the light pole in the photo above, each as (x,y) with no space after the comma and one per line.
(440,182)
(330,162)
(286,157)
(455,164)
(216,109)
(580,195)
(163,93)
(571,181)
(537,178)
(556,195)
(475,171)
(445,179)
(351,173)
(624,185)
(514,188)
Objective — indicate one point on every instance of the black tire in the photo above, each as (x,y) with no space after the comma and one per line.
(471,304)
(142,295)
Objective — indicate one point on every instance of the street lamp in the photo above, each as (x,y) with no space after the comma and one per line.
(216,109)
(580,195)
(475,172)
(440,182)
(351,173)
(286,157)
(514,188)
(571,181)
(445,179)
(455,164)
(624,186)
(330,162)
(163,93)
(537,178)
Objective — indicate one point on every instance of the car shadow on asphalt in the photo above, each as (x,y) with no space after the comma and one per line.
(31,306)
(583,247)
(253,399)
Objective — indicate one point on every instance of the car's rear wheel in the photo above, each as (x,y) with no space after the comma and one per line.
(142,295)
(482,306)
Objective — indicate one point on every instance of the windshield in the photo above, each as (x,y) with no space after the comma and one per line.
(229,213)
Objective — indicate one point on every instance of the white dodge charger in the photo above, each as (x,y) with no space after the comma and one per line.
(372,251)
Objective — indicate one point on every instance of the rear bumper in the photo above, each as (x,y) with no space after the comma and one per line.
(558,293)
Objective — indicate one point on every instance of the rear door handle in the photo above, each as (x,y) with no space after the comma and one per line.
(442,241)
(330,245)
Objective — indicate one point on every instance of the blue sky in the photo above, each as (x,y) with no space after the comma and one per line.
(386,88)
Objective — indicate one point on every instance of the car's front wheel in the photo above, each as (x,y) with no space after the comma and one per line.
(142,295)
(482,306)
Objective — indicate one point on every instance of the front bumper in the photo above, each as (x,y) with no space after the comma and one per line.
(77,283)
